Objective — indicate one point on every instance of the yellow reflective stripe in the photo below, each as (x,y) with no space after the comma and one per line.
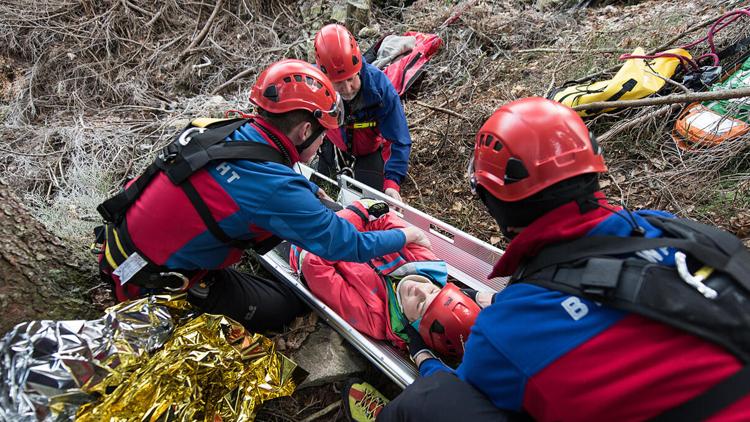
(364,125)
(107,254)
(119,245)
(110,260)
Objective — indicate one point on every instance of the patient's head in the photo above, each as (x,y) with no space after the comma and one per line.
(443,316)
(416,293)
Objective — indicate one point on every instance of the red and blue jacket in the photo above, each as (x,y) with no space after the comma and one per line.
(564,358)
(362,293)
(250,201)
(379,122)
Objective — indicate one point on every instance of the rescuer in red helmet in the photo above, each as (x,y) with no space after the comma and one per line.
(581,332)
(375,131)
(224,186)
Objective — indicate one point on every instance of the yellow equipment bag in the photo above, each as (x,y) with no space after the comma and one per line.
(636,79)
(204,121)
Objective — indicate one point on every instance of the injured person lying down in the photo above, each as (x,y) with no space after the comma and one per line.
(380,296)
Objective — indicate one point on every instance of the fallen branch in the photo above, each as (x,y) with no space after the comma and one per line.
(423,118)
(618,129)
(156,16)
(669,99)
(197,40)
(233,80)
(570,50)
(135,7)
(320,413)
(443,110)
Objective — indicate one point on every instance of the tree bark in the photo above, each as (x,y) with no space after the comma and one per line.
(39,277)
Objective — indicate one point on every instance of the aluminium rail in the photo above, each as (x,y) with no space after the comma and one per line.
(469,260)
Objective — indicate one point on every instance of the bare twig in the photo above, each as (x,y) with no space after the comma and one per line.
(570,50)
(616,130)
(669,99)
(458,10)
(26,154)
(137,8)
(156,16)
(671,81)
(232,80)
(320,413)
(443,110)
(203,32)
(423,118)
(204,63)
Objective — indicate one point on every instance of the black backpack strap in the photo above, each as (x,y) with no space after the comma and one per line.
(208,219)
(705,405)
(196,159)
(595,278)
(735,263)
(180,159)
(114,208)
(738,255)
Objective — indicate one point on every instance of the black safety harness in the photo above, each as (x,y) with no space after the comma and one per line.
(190,151)
(715,307)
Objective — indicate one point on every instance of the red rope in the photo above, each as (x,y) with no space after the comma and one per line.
(684,61)
(237,113)
(717,26)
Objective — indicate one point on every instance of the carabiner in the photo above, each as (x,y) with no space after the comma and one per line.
(184,139)
(694,280)
(185,281)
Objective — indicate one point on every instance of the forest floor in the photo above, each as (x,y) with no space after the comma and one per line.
(89,91)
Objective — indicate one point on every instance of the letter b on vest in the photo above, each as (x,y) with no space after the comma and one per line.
(575,308)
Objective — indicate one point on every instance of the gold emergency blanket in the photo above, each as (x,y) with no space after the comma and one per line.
(211,369)
(148,359)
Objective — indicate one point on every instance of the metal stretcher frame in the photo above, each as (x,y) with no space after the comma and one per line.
(469,261)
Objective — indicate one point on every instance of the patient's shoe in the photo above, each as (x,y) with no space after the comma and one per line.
(362,402)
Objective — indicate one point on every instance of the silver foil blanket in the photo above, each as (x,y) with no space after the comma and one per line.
(49,368)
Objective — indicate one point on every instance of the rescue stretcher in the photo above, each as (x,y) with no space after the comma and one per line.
(469,260)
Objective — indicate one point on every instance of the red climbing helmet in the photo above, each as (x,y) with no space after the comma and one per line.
(530,144)
(447,322)
(296,85)
(337,53)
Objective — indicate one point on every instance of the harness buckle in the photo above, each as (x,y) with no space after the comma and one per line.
(185,281)
(169,153)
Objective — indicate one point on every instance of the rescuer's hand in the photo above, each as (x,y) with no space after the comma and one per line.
(417,236)
(418,349)
(483,299)
(323,195)
(393,193)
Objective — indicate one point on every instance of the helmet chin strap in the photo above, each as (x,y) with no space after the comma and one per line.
(310,140)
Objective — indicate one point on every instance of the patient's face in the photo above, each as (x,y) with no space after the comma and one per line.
(416,297)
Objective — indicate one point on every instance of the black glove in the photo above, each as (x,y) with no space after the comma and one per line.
(471,293)
(416,343)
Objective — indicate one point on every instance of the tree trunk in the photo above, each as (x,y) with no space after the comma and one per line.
(39,277)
